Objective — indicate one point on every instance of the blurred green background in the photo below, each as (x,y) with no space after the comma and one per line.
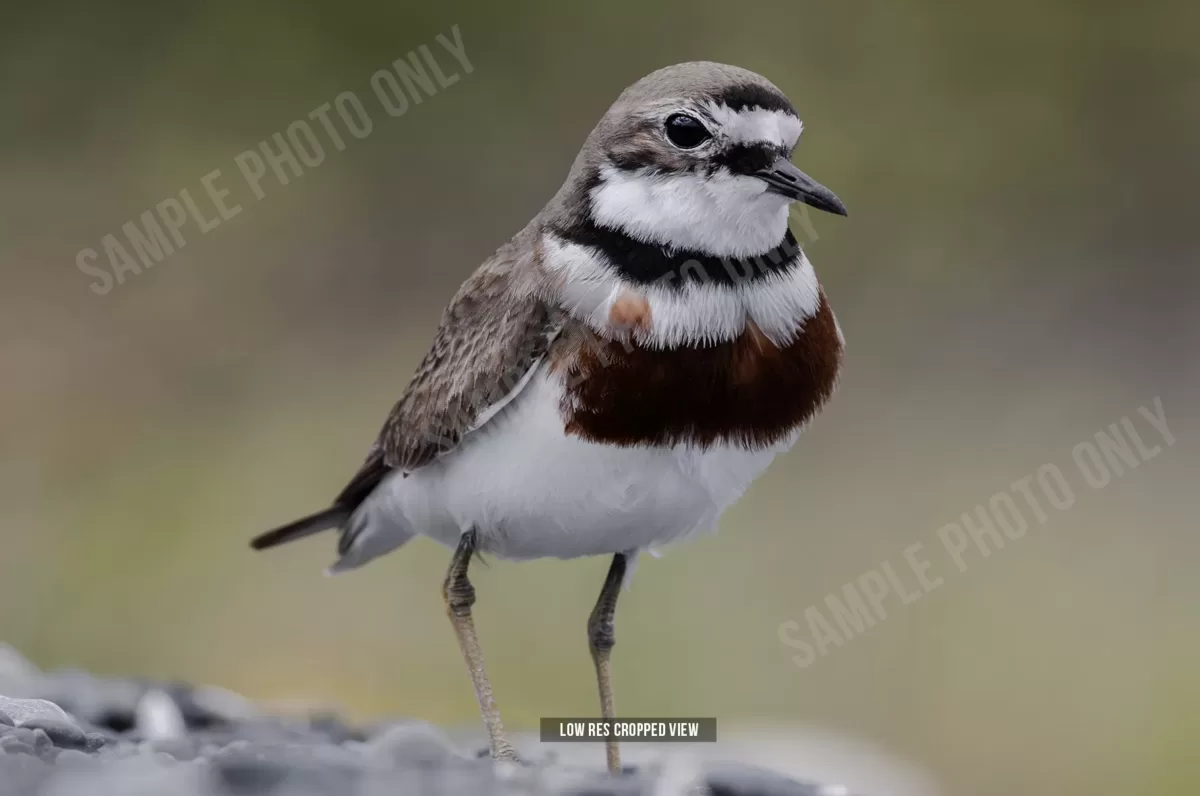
(1018,271)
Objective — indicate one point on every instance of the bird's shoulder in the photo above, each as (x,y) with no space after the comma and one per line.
(494,331)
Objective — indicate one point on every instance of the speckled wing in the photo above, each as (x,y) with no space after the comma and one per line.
(489,343)
(491,338)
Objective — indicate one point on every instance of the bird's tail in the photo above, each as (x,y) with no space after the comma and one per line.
(331,517)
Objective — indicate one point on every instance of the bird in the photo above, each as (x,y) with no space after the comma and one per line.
(616,375)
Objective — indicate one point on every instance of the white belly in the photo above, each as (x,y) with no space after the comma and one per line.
(529,490)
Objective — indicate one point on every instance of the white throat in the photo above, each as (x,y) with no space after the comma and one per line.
(722,214)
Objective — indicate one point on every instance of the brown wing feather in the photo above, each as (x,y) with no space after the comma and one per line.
(494,331)
(490,335)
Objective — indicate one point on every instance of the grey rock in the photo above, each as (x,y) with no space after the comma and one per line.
(206,708)
(21,734)
(334,729)
(222,703)
(176,748)
(63,734)
(236,747)
(72,734)
(623,786)
(24,710)
(125,749)
(244,774)
(241,774)
(268,730)
(740,780)
(335,756)
(158,717)
(73,758)
(12,745)
(415,744)
(41,741)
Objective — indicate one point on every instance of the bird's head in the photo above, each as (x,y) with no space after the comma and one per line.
(697,156)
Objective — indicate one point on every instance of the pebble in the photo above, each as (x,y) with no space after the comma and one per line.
(21,711)
(73,757)
(729,780)
(176,748)
(63,734)
(334,728)
(415,744)
(22,734)
(11,745)
(158,716)
(41,741)
(243,774)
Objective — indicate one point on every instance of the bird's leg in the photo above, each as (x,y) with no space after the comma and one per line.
(459,595)
(601,639)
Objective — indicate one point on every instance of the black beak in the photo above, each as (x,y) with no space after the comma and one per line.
(785,179)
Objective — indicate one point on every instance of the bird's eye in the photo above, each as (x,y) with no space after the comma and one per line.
(686,132)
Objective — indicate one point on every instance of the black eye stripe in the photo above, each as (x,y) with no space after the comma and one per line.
(748,158)
(738,158)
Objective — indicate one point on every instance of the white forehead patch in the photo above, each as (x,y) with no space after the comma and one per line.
(757,125)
